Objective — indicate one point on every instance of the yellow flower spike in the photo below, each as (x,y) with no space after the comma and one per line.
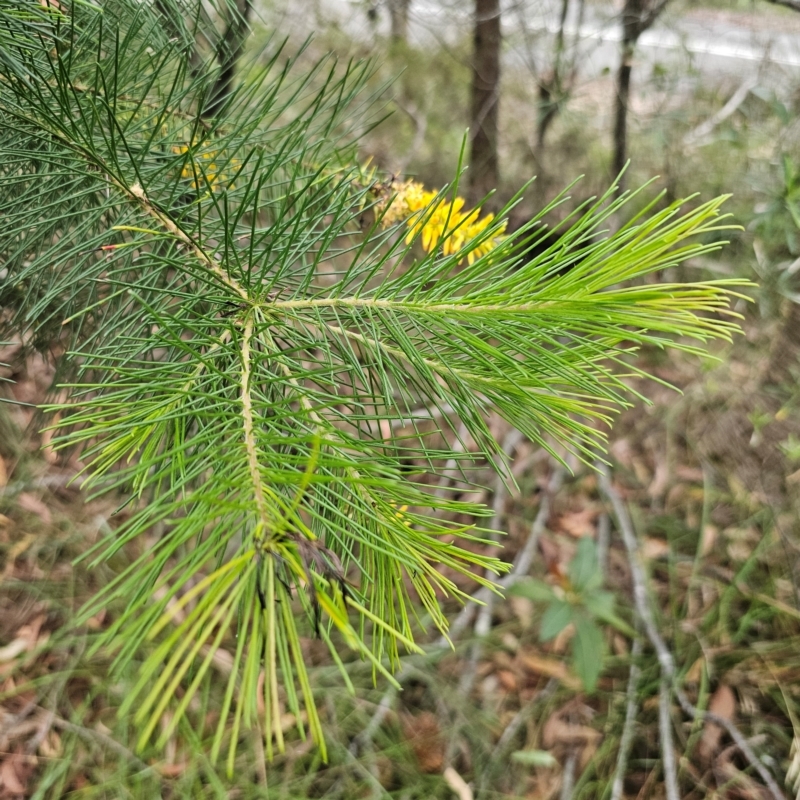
(436,221)
(213,176)
(400,513)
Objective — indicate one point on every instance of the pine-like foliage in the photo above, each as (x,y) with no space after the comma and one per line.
(242,332)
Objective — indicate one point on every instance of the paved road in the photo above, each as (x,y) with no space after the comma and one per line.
(702,42)
(712,44)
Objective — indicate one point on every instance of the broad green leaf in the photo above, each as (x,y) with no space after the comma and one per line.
(532,589)
(601,605)
(584,569)
(555,619)
(588,651)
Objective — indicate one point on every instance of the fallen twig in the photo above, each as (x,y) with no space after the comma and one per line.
(364,739)
(483,623)
(738,738)
(568,777)
(457,784)
(627,729)
(90,734)
(665,734)
(522,562)
(603,538)
(704,129)
(521,566)
(665,659)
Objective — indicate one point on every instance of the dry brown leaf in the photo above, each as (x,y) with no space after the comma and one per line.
(25,640)
(31,631)
(723,704)
(173,770)
(794,477)
(689,474)
(421,730)
(551,668)
(660,480)
(16,550)
(95,623)
(641,471)
(222,660)
(13,649)
(708,539)
(557,731)
(577,523)
(695,672)
(562,640)
(653,548)
(51,746)
(15,771)
(741,542)
(47,449)
(619,645)
(33,505)
(523,610)
(507,679)
(622,452)
(675,496)
(3,473)
(551,553)
(738,785)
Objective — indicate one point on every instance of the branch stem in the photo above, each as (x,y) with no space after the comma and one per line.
(250,445)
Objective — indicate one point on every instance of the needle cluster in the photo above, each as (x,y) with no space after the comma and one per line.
(239,347)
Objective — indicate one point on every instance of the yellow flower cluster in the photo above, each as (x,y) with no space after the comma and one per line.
(400,513)
(439,222)
(206,161)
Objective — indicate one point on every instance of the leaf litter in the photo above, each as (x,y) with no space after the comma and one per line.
(719,530)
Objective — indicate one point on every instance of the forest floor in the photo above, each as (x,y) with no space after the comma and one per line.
(710,478)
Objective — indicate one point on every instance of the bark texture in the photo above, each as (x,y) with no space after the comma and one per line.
(485,96)
(398,19)
(228,52)
(637,17)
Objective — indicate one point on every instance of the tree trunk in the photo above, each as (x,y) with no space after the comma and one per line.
(483,161)
(631,30)
(621,111)
(551,86)
(398,19)
(637,17)
(228,52)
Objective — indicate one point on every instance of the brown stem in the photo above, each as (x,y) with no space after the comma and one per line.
(398,19)
(637,17)
(228,53)
(484,173)
(621,111)
(793,4)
